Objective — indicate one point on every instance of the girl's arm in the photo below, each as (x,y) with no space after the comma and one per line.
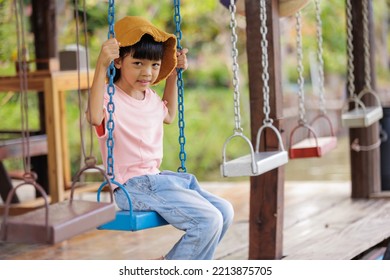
(170,90)
(108,52)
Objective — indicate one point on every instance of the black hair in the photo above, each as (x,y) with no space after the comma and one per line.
(145,48)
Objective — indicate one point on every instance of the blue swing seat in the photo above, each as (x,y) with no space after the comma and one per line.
(129,220)
(134,221)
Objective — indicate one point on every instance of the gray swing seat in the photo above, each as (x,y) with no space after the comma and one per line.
(256,163)
(264,162)
(56,222)
(361,115)
(65,220)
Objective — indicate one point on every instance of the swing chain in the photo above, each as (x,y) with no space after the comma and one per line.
(177,19)
(300,68)
(320,57)
(366,46)
(236,96)
(111,91)
(22,63)
(85,28)
(180,93)
(351,67)
(111,18)
(264,61)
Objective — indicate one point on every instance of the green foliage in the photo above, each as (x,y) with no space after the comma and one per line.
(214,75)
(11,111)
(7,33)
(334,39)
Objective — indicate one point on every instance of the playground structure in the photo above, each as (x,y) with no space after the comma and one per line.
(265,219)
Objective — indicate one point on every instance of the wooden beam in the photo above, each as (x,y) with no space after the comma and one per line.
(58,157)
(54,141)
(365,165)
(266,195)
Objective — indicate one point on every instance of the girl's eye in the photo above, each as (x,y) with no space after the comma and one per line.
(156,65)
(138,63)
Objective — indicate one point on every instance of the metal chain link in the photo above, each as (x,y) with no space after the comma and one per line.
(23,80)
(320,57)
(177,21)
(300,69)
(366,46)
(111,91)
(351,67)
(264,61)
(180,93)
(235,68)
(111,18)
(90,157)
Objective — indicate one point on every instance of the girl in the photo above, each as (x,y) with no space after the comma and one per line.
(143,56)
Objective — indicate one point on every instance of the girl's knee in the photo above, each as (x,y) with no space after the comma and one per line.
(214,222)
(227,212)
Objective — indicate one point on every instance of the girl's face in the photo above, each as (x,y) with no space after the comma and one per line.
(137,74)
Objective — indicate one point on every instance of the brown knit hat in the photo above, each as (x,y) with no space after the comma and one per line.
(129,31)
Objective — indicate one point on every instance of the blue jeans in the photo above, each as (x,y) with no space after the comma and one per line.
(179,199)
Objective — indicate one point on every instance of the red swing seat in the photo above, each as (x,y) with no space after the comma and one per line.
(312,146)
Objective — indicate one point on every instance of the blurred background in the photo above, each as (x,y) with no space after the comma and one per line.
(209,114)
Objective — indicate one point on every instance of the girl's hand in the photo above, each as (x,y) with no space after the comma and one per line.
(108,52)
(182,59)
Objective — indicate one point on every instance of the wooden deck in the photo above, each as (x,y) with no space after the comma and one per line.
(321,222)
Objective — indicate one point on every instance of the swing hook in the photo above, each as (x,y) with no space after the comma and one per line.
(268,122)
(30,177)
(90,161)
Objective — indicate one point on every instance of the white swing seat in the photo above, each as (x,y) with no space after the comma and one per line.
(265,161)
(256,163)
(360,117)
(134,221)
(309,147)
(65,221)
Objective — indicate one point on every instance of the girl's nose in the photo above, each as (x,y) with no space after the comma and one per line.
(147,71)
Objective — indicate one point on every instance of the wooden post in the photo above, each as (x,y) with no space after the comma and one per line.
(266,195)
(44,27)
(365,165)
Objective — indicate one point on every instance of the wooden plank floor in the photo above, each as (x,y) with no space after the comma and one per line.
(321,222)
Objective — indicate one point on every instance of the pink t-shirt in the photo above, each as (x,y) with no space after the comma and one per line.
(138,134)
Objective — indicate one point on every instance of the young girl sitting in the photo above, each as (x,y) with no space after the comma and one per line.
(143,56)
